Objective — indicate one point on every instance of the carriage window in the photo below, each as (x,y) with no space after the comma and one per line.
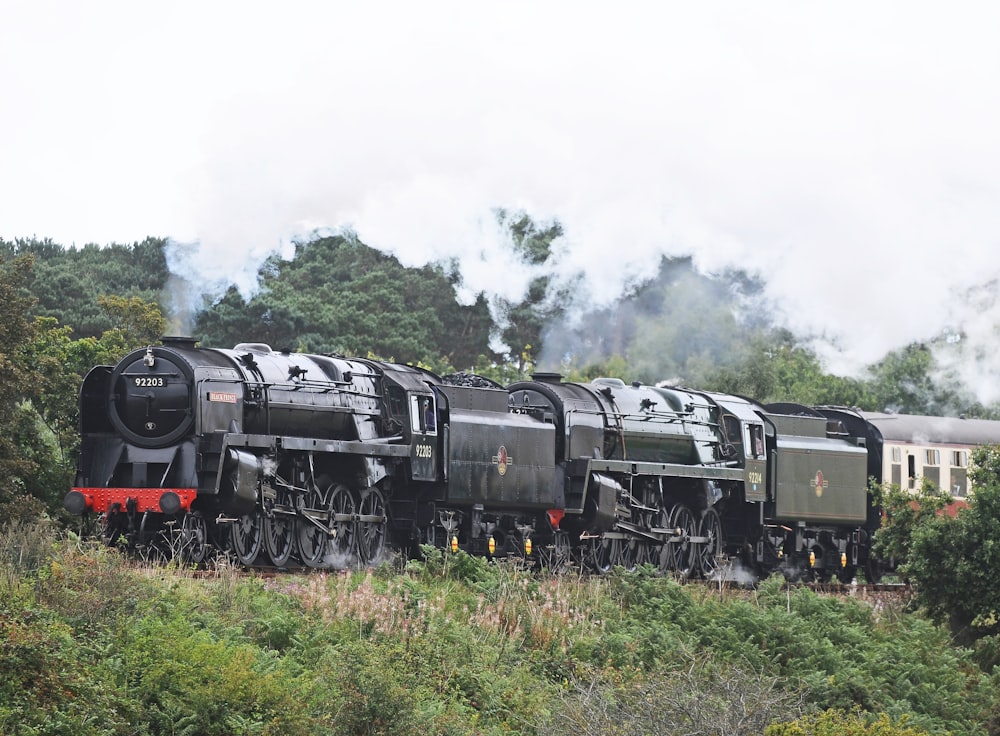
(932,457)
(897,454)
(959,459)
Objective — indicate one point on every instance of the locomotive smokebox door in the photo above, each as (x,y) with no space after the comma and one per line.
(424,435)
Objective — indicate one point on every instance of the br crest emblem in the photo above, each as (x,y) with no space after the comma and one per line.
(502,460)
(819,483)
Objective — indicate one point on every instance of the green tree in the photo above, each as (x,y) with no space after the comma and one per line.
(911,381)
(523,322)
(676,325)
(17,329)
(771,366)
(133,320)
(338,295)
(953,559)
(903,513)
(47,414)
(66,281)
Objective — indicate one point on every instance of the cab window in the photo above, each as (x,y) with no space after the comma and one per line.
(423,414)
(755,445)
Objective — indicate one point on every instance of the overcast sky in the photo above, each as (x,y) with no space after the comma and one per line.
(849,152)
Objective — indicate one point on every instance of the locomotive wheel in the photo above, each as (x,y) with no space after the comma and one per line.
(279,531)
(313,541)
(822,575)
(151,540)
(111,528)
(246,535)
(874,570)
(342,510)
(664,554)
(847,574)
(598,555)
(194,538)
(710,551)
(145,530)
(371,526)
(647,553)
(623,553)
(682,556)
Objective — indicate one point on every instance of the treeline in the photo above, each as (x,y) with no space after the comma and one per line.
(336,294)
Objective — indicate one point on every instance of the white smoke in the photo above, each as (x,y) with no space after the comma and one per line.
(846,153)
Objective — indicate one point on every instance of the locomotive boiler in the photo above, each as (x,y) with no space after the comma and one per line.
(288,458)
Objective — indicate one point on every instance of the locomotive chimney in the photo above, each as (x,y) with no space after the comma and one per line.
(178,341)
(547,377)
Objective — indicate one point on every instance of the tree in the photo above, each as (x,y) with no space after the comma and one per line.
(903,514)
(67,281)
(911,381)
(523,322)
(337,295)
(953,559)
(47,416)
(16,331)
(133,320)
(675,325)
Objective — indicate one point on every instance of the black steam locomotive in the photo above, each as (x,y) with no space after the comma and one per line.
(284,458)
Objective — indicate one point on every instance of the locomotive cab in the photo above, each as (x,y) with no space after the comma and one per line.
(412,409)
(745,442)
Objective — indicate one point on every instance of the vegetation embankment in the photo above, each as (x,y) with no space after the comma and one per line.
(91,643)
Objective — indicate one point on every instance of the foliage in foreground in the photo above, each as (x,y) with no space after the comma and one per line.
(951,552)
(91,643)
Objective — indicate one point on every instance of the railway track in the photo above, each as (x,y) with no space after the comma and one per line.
(863,591)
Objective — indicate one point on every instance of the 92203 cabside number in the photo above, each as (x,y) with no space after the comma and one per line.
(423,451)
(150,381)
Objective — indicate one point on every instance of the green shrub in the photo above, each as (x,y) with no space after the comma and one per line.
(840,723)
(697,696)
(46,683)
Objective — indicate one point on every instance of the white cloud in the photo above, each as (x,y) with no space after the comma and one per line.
(848,152)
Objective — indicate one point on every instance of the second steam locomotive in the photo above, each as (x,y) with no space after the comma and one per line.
(285,458)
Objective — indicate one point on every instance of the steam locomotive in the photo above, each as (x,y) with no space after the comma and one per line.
(292,459)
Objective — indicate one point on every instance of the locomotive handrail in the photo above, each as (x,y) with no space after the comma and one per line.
(317,386)
(349,447)
(661,416)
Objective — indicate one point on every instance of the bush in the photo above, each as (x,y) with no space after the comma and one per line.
(839,723)
(700,696)
(457,645)
(46,684)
